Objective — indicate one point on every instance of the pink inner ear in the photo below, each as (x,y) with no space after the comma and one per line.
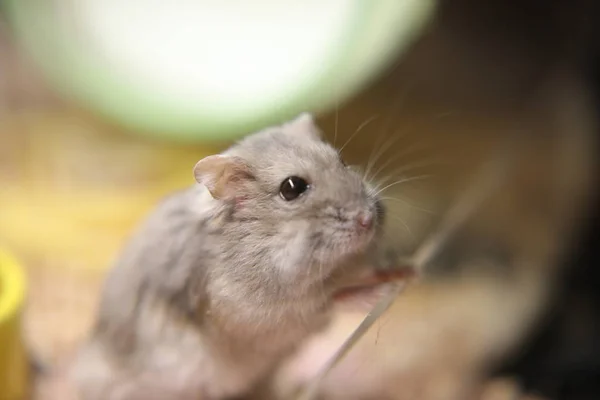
(222,174)
(210,169)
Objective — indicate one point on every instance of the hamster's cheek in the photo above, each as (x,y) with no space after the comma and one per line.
(291,249)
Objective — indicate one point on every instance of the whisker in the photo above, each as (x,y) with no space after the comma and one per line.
(411,167)
(411,205)
(394,136)
(403,222)
(384,147)
(335,129)
(382,144)
(398,156)
(376,147)
(405,180)
(360,128)
(382,184)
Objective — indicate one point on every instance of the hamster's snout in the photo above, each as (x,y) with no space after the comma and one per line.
(365,220)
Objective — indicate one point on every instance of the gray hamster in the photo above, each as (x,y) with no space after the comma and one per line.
(228,277)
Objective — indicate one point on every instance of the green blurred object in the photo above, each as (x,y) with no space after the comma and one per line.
(213,70)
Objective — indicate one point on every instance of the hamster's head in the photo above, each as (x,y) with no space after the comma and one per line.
(292,199)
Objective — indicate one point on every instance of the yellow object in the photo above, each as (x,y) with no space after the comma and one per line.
(14,367)
(73,189)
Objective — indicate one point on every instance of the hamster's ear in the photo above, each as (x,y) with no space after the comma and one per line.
(304,124)
(222,175)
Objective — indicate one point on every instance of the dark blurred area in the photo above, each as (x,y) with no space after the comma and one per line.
(561,358)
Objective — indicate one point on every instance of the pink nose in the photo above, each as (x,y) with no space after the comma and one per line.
(365,220)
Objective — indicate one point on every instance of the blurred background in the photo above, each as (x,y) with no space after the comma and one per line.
(105,106)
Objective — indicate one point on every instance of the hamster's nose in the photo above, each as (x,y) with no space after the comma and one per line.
(365,219)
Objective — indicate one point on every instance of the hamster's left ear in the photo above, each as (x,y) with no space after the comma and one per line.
(304,124)
(223,175)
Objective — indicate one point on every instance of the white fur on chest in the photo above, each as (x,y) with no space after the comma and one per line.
(180,360)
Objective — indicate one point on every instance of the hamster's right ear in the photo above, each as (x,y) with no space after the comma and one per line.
(222,175)
(305,125)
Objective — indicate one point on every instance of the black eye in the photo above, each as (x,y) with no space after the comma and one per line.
(292,187)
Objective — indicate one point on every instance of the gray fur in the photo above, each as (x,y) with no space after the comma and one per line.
(213,291)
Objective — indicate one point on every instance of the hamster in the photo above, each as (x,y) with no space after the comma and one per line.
(228,277)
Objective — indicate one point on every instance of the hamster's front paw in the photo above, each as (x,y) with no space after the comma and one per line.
(370,287)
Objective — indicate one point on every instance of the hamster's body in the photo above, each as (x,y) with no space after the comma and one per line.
(228,277)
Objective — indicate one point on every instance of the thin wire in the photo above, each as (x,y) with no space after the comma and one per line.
(381,307)
(337,109)
(357,131)
(485,183)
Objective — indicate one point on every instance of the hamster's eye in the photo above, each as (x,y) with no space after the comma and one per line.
(292,187)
